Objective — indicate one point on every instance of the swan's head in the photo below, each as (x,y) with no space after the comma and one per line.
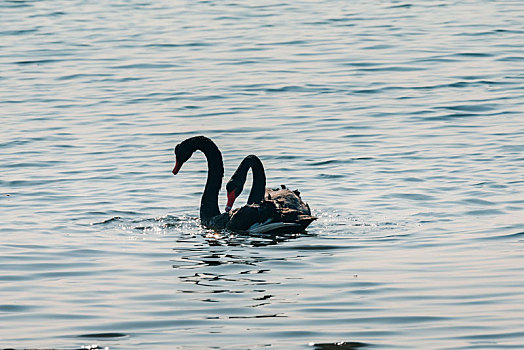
(234,188)
(183,152)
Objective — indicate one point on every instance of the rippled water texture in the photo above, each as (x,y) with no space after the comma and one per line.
(400,122)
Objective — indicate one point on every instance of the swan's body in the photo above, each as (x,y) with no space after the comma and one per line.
(264,216)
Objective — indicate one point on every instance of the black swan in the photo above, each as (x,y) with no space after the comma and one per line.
(261,217)
(292,208)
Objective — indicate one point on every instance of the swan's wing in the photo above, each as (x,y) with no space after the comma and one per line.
(270,226)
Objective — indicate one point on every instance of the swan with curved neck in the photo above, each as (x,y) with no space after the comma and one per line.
(284,205)
(209,212)
(283,198)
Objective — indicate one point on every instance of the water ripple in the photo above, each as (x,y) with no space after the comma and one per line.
(400,123)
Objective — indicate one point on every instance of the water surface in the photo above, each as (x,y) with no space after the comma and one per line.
(401,124)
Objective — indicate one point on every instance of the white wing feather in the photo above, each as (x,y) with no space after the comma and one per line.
(269,226)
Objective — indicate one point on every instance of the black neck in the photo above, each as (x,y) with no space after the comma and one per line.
(258,188)
(215,172)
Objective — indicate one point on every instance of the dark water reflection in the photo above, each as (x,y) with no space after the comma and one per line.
(338,346)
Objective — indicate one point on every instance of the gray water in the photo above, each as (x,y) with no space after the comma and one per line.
(400,122)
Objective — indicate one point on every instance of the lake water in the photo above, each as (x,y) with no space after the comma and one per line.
(402,124)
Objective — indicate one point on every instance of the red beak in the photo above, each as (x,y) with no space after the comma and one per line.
(230,200)
(177,167)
